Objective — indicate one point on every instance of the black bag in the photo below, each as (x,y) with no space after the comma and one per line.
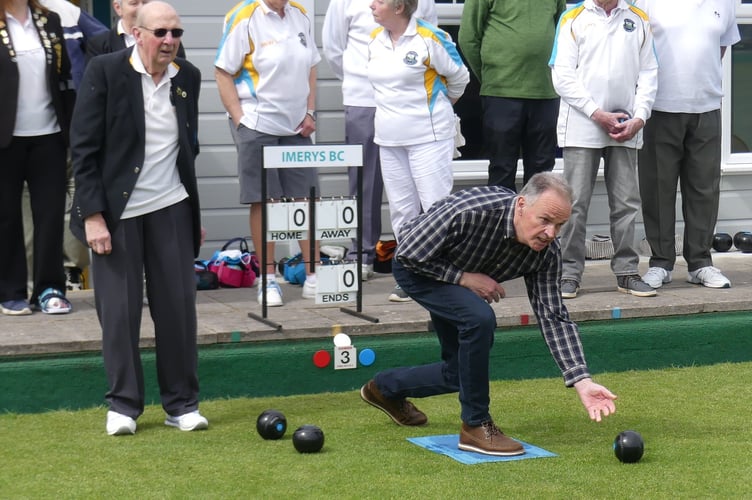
(382,261)
(205,279)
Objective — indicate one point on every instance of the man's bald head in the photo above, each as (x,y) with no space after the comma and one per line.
(158,32)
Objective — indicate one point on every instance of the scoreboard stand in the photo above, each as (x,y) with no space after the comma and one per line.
(334,218)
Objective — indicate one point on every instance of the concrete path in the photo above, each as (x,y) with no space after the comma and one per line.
(223,314)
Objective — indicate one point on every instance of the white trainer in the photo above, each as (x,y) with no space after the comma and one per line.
(192,421)
(709,276)
(366,271)
(273,294)
(309,289)
(119,424)
(399,295)
(656,277)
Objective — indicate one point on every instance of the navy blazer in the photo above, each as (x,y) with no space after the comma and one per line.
(108,138)
(58,73)
(112,41)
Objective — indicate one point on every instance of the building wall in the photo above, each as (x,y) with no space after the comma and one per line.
(225,218)
(222,215)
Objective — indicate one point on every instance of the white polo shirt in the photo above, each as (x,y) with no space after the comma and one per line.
(345,36)
(270,58)
(158,185)
(414,83)
(35,114)
(689,35)
(128,38)
(602,62)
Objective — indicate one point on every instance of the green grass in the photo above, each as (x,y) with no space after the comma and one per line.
(695,422)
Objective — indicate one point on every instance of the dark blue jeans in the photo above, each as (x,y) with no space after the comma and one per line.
(465,326)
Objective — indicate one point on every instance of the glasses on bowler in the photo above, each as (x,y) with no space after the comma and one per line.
(162,32)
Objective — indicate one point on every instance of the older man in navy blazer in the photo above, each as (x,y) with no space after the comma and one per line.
(134,140)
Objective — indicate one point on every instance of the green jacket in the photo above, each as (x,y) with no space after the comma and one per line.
(507,45)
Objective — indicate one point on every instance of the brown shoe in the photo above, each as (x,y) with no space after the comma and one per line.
(489,440)
(402,411)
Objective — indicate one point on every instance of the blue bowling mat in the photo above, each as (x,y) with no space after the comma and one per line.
(447,445)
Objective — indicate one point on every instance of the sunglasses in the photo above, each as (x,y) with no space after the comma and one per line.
(162,32)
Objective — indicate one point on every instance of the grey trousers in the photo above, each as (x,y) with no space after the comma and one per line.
(161,244)
(359,130)
(620,171)
(683,148)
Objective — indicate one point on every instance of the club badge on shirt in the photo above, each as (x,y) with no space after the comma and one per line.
(411,58)
(302,38)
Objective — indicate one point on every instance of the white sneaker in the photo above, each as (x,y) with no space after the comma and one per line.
(399,295)
(656,277)
(273,294)
(192,421)
(709,276)
(366,271)
(309,290)
(119,424)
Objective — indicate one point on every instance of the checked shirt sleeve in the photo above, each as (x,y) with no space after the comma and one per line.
(560,333)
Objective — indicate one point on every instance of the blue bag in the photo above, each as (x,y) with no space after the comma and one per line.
(294,269)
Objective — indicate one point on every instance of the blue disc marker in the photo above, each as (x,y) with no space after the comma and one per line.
(367,357)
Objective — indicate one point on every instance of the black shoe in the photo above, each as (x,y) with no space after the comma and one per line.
(633,284)
(74,279)
(569,289)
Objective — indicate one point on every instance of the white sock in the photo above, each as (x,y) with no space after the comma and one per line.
(311,279)
(270,278)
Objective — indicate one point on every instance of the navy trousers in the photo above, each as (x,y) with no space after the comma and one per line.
(160,246)
(514,128)
(465,326)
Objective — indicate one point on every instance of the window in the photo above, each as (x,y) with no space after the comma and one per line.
(741,91)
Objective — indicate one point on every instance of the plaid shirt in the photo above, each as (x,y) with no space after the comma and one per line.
(473,231)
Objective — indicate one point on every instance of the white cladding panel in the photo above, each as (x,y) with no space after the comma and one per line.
(225,218)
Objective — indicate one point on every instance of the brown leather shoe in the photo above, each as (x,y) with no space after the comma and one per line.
(402,411)
(489,440)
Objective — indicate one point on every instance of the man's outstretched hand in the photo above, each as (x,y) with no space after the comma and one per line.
(597,400)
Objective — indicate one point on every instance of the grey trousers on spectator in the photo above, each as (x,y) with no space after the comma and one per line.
(620,172)
(683,149)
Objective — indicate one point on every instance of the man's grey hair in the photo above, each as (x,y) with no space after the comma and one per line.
(545,181)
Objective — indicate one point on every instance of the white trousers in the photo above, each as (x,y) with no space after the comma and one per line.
(415,177)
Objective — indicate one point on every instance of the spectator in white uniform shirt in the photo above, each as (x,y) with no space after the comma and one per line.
(605,70)
(347,31)
(683,139)
(266,76)
(417,75)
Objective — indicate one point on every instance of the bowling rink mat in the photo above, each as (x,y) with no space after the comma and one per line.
(447,445)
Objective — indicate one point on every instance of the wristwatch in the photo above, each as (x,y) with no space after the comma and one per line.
(312,114)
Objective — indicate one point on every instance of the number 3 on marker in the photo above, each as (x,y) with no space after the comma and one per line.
(345,357)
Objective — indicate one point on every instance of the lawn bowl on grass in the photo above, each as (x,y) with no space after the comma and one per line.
(308,439)
(271,424)
(629,447)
